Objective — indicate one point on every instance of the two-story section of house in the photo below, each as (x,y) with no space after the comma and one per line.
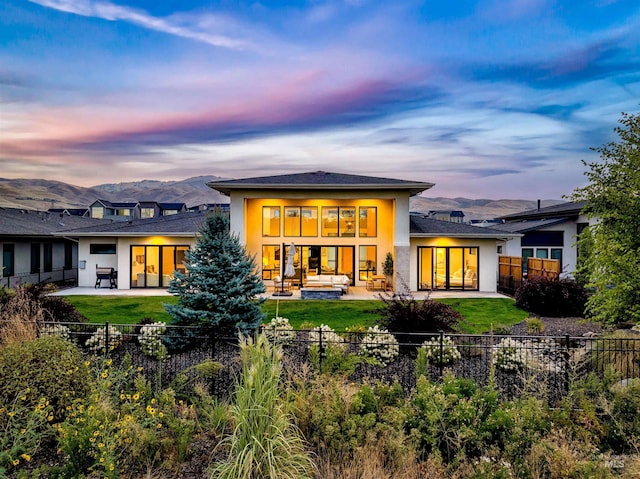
(107,210)
(342,224)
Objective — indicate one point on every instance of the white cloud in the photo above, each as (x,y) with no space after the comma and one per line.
(111,12)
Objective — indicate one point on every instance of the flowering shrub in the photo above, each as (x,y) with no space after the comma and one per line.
(509,355)
(96,343)
(150,339)
(379,344)
(326,336)
(438,354)
(23,426)
(279,331)
(55,329)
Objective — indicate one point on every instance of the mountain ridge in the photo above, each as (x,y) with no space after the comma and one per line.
(41,194)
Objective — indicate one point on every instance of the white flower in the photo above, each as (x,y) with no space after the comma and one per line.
(509,355)
(96,343)
(326,336)
(58,330)
(380,345)
(150,339)
(279,331)
(441,354)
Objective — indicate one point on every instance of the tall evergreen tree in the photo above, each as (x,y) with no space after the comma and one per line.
(220,288)
(613,199)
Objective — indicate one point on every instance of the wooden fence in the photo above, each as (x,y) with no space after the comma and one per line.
(510,274)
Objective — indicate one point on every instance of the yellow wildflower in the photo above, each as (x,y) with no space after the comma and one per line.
(136,396)
(16,462)
(26,457)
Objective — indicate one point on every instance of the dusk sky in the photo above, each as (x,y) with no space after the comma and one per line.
(486,99)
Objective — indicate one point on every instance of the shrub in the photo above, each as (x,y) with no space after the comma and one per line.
(551,297)
(534,325)
(509,355)
(440,352)
(23,427)
(150,339)
(326,336)
(380,345)
(279,331)
(265,442)
(402,313)
(57,330)
(49,367)
(97,342)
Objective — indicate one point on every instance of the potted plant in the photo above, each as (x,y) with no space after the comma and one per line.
(387,269)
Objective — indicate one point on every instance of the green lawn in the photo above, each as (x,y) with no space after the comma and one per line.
(480,314)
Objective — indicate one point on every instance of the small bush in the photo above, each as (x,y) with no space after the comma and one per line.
(534,325)
(150,339)
(550,297)
(440,354)
(278,331)
(49,367)
(509,355)
(402,313)
(97,342)
(380,345)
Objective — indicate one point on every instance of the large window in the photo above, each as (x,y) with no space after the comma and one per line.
(448,268)
(153,266)
(35,258)
(543,253)
(8,260)
(97,212)
(270,221)
(309,217)
(68,255)
(367,262)
(338,221)
(147,212)
(368,220)
(47,249)
(270,261)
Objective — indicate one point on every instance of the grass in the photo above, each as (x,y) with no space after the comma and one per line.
(480,314)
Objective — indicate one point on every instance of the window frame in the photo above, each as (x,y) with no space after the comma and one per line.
(375,222)
(278,216)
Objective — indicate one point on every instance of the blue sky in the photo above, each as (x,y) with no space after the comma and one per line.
(486,99)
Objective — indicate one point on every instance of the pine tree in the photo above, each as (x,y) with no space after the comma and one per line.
(220,288)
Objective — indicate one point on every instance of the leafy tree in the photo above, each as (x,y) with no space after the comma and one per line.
(613,198)
(219,291)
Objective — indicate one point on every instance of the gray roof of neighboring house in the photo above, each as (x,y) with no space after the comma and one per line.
(570,208)
(181,224)
(318,180)
(17,222)
(425,226)
(172,206)
(529,225)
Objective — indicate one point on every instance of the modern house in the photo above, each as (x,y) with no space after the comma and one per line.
(346,224)
(103,209)
(31,250)
(549,232)
(455,216)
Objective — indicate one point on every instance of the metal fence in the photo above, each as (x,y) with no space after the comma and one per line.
(539,365)
(57,275)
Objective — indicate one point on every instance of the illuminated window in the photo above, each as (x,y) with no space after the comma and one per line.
(291,221)
(368,220)
(309,218)
(270,261)
(270,221)
(347,221)
(329,221)
(367,262)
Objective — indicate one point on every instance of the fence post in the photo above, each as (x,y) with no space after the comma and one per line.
(441,362)
(106,339)
(567,355)
(320,349)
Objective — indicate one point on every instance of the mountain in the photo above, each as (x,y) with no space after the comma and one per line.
(45,194)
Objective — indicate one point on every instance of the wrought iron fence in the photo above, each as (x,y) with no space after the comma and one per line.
(541,365)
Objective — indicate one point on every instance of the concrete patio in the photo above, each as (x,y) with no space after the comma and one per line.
(355,293)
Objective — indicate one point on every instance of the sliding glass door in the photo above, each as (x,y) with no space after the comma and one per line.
(153,266)
(448,267)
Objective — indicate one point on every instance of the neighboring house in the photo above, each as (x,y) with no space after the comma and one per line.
(218,207)
(31,252)
(549,232)
(346,224)
(70,211)
(144,252)
(454,216)
(168,209)
(149,209)
(106,210)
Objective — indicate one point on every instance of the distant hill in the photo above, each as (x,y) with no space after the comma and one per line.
(44,194)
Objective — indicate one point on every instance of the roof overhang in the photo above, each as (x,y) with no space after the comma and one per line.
(226,188)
